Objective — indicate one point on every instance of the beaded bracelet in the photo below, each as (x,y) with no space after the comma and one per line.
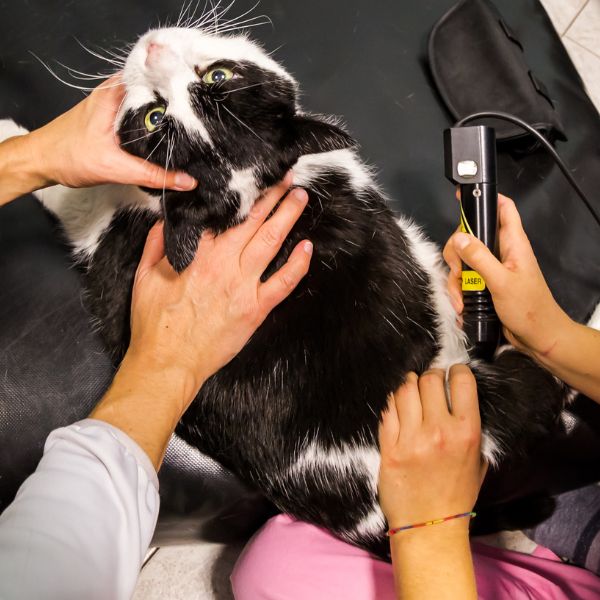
(434,522)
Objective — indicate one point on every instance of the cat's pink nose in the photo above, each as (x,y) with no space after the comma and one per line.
(153,51)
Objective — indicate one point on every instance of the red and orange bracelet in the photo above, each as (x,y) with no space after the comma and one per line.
(433,522)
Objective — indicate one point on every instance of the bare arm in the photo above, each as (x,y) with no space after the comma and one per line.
(431,468)
(79,149)
(533,321)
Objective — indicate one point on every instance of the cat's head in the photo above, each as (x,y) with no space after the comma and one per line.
(221,109)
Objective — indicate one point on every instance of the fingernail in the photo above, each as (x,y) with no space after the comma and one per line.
(300,195)
(184,182)
(461,240)
(308,247)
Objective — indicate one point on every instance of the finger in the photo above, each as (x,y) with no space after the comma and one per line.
(463,394)
(475,254)
(452,258)
(243,233)
(389,427)
(512,235)
(281,283)
(154,249)
(432,388)
(454,287)
(134,170)
(408,404)
(267,241)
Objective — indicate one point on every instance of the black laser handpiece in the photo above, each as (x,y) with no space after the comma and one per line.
(470,162)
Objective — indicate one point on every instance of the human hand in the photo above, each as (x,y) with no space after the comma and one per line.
(80,148)
(431,466)
(531,317)
(199,320)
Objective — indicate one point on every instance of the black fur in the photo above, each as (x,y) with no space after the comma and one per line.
(320,367)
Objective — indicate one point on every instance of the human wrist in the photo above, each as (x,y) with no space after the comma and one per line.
(547,348)
(157,376)
(448,531)
(19,168)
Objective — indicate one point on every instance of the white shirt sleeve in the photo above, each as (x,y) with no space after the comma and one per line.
(81,524)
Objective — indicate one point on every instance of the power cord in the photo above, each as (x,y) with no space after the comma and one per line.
(547,145)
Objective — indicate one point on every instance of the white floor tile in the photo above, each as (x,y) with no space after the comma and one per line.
(194,572)
(562,12)
(588,65)
(585,30)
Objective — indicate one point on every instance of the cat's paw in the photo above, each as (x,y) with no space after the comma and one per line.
(8,129)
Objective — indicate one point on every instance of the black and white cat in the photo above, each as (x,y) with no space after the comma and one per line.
(295,414)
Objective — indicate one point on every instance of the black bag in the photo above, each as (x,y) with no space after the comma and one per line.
(478,65)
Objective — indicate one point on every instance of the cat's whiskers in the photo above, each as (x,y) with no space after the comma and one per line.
(155,147)
(117,60)
(67,83)
(141,137)
(246,25)
(219,113)
(246,87)
(134,130)
(239,18)
(184,18)
(244,124)
(218,26)
(167,161)
(82,75)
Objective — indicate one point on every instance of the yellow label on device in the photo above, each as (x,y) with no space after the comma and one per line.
(472,281)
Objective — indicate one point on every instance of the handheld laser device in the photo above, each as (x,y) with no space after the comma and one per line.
(470,162)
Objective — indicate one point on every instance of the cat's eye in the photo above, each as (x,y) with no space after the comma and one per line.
(154,118)
(217,75)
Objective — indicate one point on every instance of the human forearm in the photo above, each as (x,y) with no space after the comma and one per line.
(81,524)
(146,401)
(19,171)
(434,562)
(574,357)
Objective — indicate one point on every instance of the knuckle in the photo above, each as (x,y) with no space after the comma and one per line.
(153,172)
(271,237)
(462,376)
(471,436)
(431,376)
(287,280)
(438,437)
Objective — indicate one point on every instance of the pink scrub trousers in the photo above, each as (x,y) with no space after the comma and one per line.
(291,560)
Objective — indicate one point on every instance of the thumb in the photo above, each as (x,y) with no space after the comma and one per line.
(477,256)
(154,250)
(144,173)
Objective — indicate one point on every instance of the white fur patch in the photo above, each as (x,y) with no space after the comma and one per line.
(594,321)
(490,449)
(310,167)
(343,460)
(8,129)
(453,341)
(86,213)
(244,183)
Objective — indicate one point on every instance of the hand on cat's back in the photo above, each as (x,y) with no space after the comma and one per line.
(200,319)
(80,147)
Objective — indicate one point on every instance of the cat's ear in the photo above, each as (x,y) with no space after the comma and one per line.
(182,231)
(316,134)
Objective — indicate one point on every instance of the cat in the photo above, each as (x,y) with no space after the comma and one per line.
(296,413)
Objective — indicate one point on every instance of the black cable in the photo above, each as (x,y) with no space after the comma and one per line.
(547,145)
